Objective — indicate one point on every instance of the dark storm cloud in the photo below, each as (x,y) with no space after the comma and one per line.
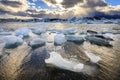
(70,3)
(67,9)
(3,12)
(11,3)
(95,3)
(51,1)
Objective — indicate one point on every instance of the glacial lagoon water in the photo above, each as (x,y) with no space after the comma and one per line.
(25,63)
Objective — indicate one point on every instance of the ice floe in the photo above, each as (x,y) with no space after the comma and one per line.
(5,33)
(55,31)
(93,58)
(38,30)
(71,30)
(59,39)
(37,42)
(106,36)
(98,41)
(12,41)
(92,32)
(22,32)
(75,38)
(58,61)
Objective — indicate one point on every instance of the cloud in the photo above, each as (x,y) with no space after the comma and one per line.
(70,3)
(51,1)
(59,8)
(95,3)
(13,5)
(82,8)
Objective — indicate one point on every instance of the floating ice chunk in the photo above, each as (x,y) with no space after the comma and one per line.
(71,30)
(55,31)
(39,30)
(83,33)
(58,61)
(22,31)
(93,58)
(37,42)
(12,41)
(75,38)
(32,35)
(92,32)
(98,41)
(59,39)
(108,35)
(5,33)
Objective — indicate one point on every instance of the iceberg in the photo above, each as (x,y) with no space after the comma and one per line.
(75,38)
(71,30)
(93,58)
(57,60)
(12,41)
(59,39)
(22,32)
(37,42)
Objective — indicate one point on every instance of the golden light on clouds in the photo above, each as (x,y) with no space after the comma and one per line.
(58,8)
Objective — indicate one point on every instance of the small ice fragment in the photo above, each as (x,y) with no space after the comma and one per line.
(93,58)
(108,35)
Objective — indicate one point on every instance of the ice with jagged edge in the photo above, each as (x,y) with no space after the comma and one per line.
(58,61)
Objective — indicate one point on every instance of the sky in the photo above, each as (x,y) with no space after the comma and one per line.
(59,8)
(114,2)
